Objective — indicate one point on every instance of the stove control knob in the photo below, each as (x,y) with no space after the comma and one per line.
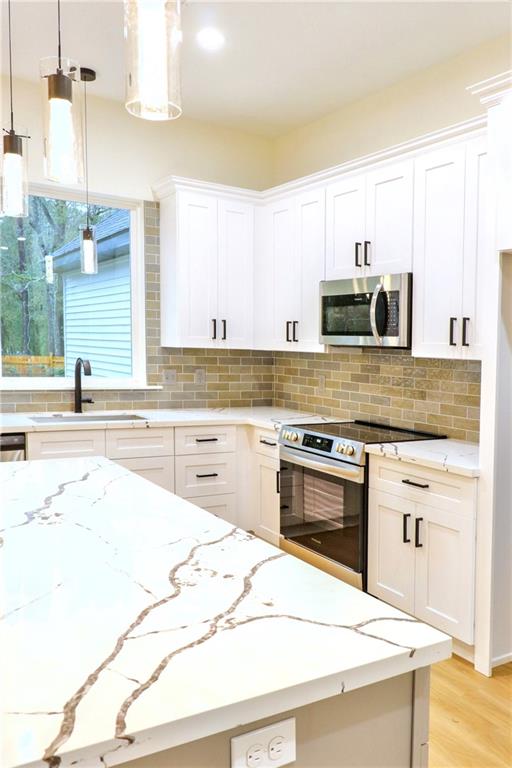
(286,434)
(294,437)
(350,450)
(339,448)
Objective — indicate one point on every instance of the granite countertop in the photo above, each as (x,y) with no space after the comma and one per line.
(133,621)
(266,417)
(454,456)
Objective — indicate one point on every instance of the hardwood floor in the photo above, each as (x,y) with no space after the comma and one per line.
(470,716)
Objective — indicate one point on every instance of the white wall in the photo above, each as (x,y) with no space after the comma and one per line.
(502,597)
(127,155)
(432,99)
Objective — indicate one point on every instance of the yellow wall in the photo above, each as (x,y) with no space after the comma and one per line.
(127,155)
(432,99)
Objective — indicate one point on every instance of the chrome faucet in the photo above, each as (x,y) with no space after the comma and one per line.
(78,383)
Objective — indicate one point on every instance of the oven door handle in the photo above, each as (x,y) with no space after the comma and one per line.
(373,314)
(330,467)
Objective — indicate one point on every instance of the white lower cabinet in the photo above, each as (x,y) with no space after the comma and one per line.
(390,566)
(205,475)
(157,469)
(61,444)
(265,477)
(223,505)
(421,553)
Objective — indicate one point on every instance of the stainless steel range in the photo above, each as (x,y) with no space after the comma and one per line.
(324,492)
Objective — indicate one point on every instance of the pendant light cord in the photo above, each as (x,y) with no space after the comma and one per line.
(86,156)
(10,62)
(58,44)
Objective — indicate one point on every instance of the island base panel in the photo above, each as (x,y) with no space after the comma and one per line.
(384,725)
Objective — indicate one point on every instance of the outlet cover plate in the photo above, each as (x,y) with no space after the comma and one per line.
(257,749)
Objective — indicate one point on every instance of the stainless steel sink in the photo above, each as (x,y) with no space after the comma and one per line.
(61,418)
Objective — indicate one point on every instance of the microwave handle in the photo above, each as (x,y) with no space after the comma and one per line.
(373,314)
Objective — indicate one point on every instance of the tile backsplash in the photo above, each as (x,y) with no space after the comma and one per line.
(392,387)
(441,396)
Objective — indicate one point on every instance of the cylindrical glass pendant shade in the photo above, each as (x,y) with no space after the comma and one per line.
(153,37)
(14,187)
(62,116)
(88,252)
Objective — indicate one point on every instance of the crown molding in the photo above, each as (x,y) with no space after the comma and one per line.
(493,90)
(171,184)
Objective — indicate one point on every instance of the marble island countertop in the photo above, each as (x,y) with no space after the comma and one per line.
(132,621)
(454,456)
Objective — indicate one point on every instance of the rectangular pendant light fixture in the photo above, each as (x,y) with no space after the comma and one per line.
(62,117)
(88,252)
(13,177)
(152,30)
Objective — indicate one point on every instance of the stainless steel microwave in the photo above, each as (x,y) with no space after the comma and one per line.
(367,311)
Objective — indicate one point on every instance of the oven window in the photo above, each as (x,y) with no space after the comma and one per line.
(323,513)
(346,315)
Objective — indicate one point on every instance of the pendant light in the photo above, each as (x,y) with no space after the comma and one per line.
(152,30)
(14,188)
(62,127)
(88,249)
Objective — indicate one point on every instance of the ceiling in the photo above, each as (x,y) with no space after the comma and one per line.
(284,63)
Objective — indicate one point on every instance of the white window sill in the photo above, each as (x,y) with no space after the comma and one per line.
(23,384)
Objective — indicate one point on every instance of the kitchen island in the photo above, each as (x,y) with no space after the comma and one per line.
(134,622)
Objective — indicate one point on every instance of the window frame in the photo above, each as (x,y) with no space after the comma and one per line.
(138,379)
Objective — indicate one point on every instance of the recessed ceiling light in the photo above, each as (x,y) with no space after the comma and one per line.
(22,239)
(4,247)
(210,39)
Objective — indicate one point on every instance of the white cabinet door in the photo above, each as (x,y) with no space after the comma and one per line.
(310,263)
(60,444)
(439,180)
(205,475)
(157,469)
(280,221)
(136,443)
(477,250)
(223,505)
(197,269)
(389,215)
(445,576)
(345,228)
(235,265)
(391,549)
(266,498)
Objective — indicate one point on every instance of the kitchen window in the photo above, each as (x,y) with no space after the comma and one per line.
(51,313)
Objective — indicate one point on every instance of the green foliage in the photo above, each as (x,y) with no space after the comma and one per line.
(31,311)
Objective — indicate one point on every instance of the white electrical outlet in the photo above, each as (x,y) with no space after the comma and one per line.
(170,376)
(268,747)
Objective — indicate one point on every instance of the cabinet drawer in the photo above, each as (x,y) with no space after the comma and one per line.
(66,443)
(157,469)
(443,490)
(136,443)
(205,476)
(211,439)
(264,441)
(223,505)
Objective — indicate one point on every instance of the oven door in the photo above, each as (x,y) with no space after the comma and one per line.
(323,509)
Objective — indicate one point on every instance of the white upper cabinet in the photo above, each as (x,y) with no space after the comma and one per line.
(477,249)
(288,270)
(369,223)
(235,289)
(206,271)
(310,268)
(345,228)
(387,248)
(450,238)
